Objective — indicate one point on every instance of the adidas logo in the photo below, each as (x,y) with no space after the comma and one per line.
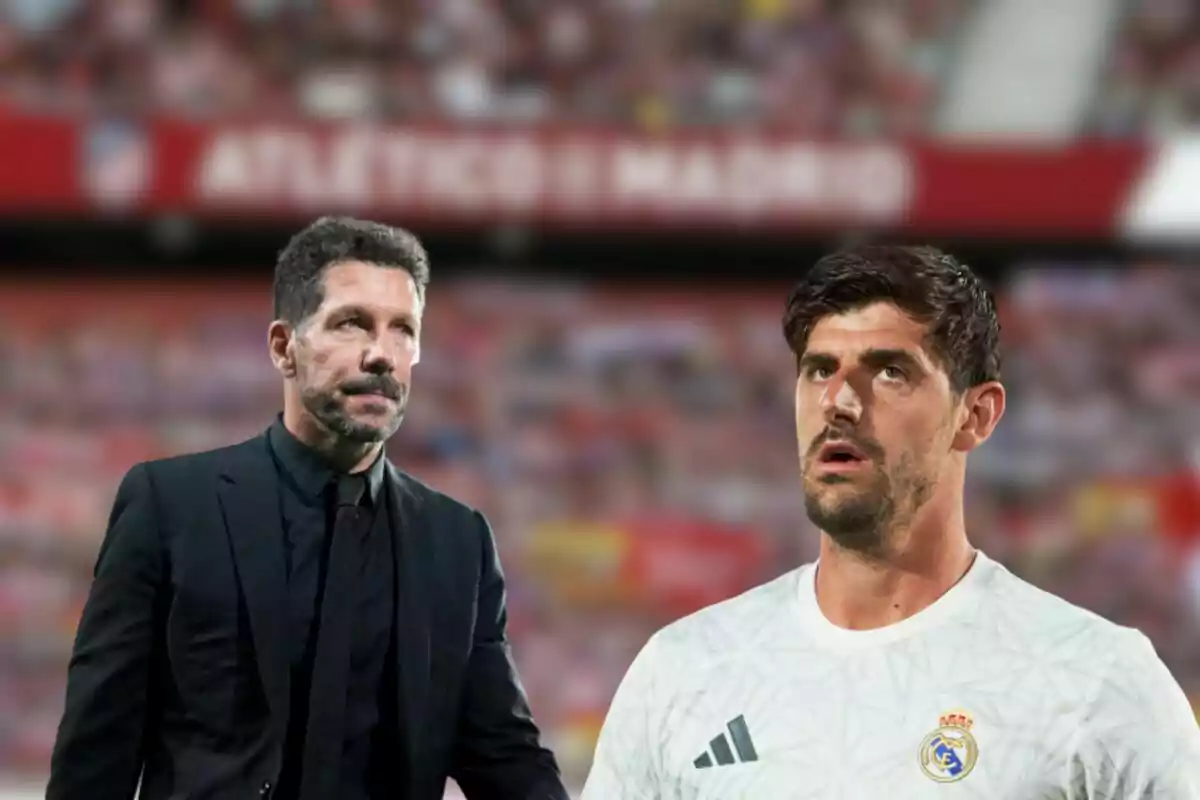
(740,736)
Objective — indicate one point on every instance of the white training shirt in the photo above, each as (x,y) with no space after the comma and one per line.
(997,691)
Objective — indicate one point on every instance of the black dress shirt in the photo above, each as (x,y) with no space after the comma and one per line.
(306,506)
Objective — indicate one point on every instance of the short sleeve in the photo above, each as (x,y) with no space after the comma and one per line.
(628,752)
(1140,739)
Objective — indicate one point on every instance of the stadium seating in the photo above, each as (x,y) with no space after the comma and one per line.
(632,449)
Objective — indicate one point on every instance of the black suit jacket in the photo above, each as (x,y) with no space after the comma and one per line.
(180,671)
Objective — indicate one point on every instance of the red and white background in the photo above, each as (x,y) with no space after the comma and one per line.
(626,427)
(596,178)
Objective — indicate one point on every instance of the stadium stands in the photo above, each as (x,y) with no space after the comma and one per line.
(1152,84)
(811,65)
(632,449)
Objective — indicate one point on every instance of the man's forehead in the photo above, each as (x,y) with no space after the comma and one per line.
(879,325)
(353,273)
(357,282)
(871,329)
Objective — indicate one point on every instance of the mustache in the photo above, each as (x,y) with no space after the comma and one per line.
(385,385)
(869,447)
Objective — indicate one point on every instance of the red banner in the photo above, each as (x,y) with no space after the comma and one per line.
(673,565)
(681,565)
(565,177)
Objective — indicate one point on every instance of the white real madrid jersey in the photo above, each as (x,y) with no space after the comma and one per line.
(998,690)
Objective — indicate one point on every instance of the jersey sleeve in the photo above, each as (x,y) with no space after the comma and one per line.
(1140,740)
(627,758)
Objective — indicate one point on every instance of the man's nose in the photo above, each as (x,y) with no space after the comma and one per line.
(378,359)
(840,402)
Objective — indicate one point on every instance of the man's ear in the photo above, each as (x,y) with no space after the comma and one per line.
(983,406)
(281,344)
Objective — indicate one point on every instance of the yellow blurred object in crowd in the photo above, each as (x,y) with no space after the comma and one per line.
(1104,508)
(652,113)
(766,10)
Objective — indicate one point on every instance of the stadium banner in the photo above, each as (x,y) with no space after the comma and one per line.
(568,177)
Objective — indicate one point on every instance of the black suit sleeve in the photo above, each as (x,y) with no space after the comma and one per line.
(99,751)
(498,755)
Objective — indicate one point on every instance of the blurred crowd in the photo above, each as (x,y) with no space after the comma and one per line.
(633,449)
(1153,78)
(819,66)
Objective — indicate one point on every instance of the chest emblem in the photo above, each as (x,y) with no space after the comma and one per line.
(950,752)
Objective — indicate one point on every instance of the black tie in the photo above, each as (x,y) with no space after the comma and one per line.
(325,738)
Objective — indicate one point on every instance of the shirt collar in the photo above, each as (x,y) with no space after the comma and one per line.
(308,469)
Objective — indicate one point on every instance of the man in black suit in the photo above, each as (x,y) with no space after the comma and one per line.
(292,617)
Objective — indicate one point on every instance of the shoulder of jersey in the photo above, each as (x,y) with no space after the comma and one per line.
(1038,613)
(739,621)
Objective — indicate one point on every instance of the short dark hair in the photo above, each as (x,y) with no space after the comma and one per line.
(929,285)
(298,287)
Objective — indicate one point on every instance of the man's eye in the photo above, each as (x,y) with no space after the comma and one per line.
(819,373)
(893,373)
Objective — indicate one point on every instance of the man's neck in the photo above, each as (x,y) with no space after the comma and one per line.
(345,456)
(861,593)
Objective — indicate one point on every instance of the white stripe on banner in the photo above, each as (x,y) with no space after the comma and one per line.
(1165,204)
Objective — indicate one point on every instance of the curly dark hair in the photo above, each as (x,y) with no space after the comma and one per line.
(298,285)
(931,286)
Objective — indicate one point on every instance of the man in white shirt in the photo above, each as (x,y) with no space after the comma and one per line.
(903,663)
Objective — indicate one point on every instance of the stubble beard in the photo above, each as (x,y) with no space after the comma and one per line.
(863,521)
(329,409)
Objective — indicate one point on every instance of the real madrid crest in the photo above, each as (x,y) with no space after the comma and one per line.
(950,752)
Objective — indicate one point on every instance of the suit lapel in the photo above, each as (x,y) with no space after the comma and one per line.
(413,564)
(248,493)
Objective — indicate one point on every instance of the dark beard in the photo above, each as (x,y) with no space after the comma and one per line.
(857,523)
(863,522)
(328,409)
